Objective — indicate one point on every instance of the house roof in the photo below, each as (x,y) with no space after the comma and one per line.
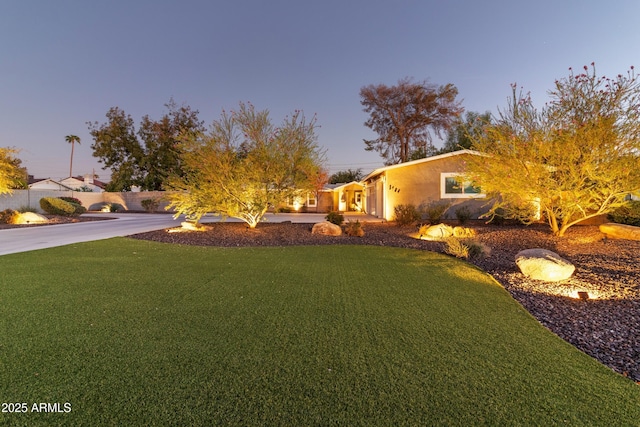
(419,161)
(95,182)
(341,185)
(48,180)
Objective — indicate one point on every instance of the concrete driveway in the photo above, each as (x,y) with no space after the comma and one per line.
(31,238)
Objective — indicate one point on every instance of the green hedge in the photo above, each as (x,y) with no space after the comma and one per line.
(55,206)
(628,214)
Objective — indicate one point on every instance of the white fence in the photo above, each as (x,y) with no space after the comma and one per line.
(20,199)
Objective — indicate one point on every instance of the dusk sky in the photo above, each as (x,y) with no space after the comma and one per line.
(64,63)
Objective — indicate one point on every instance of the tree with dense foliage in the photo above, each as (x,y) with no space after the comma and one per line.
(244,165)
(12,174)
(349,175)
(117,147)
(147,157)
(72,139)
(161,142)
(407,116)
(462,134)
(575,159)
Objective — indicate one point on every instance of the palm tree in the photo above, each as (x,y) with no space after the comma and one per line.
(71,139)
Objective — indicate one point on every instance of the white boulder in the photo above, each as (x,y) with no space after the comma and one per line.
(543,264)
(31,218)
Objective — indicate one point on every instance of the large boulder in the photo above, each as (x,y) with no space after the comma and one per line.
(31,218)
(326,228)
(620,231)
(542,264)
(437,232)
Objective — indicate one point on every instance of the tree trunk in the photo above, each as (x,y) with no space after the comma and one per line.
(71,162)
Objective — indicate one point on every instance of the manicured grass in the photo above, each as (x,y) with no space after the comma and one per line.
(140,333)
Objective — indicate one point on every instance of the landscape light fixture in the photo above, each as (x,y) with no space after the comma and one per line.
(583,295)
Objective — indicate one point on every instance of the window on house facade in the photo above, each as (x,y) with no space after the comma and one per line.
(453,186)
(297,202)
(311,200)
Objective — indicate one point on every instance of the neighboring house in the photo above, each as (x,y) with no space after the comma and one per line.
(49,184)
(347,197)
(85,183)
(434,179)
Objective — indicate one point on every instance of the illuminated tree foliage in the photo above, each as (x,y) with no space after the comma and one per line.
(577,158)
(12,175)
(406,117)
(244,165)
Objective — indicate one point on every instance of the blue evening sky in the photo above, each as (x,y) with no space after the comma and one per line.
(64,63)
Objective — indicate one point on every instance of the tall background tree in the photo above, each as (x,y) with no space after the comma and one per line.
(116,146)
(345,176)
(245,164)
(72,139)
(576,158)
(407,116)
(465,131)
(161,142)
(146,157)
(12,174)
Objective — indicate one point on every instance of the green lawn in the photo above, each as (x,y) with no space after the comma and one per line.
(139,333)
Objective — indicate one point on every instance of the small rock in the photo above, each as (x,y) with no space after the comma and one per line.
(326,228)
(620,231)
(542,264)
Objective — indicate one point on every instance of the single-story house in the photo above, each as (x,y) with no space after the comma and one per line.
(344,197)
(436,179)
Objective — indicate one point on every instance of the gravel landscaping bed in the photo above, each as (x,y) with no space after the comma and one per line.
(606,326)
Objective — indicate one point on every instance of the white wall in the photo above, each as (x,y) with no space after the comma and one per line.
(93,201)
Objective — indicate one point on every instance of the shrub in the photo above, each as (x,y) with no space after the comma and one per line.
(150,205)
(55,206)
(284,209)
(116,207)
(435,211)
(71,200)
(8,216)
(465,249)
(477,249)
(406,214)
(456,248)
(77,204)
(335,218)
(628,214)
(23,209)
(463,214)
(354,229)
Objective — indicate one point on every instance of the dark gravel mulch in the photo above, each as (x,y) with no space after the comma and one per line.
(607,326)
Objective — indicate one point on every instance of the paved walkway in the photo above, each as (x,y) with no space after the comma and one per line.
(32,238)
